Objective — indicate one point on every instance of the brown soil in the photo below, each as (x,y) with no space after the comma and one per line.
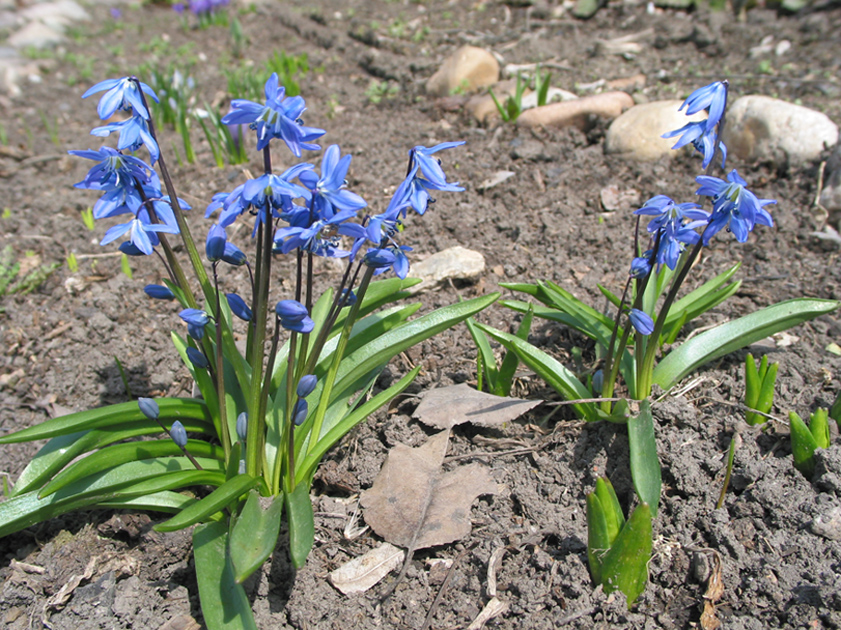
(543,223)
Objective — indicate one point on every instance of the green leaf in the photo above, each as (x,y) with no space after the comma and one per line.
(614,519)
(765,400)
(112,415)
(803,445)
(164,501)
(218,500)
(598,540)
(254,535)
(737,334)
(625,566)
(511,361)
(486,353)
(62,450)
(224,604)
(113,456)
(752,386)
(301,523)
(645,465)
(707,296)
(819,427)
(549,369)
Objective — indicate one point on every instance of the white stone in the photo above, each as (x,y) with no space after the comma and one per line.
(765,128)
(637,134)
(456,263)
(37,35)
(67,9)
(467,69)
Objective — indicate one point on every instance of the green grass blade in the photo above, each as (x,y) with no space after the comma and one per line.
(224,604)
(737,334)
(216,501)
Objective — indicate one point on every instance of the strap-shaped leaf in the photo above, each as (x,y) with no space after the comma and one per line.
(164,501)
(486,356)
(254,535)
(737,334)
(216,501)
(224,604)
(549,369)
(510,362)
(118,454)
(112,415)
(301,523)
(625,566)
(645,465)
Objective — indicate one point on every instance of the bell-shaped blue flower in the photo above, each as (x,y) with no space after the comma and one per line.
(149,408)
(641,321)
(294,316)
(121,94)
(233,255)
(734,206)
(712,97)
(217,237)
(239,307)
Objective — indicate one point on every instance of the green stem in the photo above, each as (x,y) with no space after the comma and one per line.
(220,372)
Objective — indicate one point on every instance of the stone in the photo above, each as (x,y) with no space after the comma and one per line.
(769,129)
(637,134)
(482,106)
(577,112)
(827,524)
(467,69)
(454,263)
(36,35)
(67,9)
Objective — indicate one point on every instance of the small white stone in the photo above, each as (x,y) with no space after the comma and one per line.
(828,524)
(62,9)
(456,263)
(765,128)
(37,35)
(637,134)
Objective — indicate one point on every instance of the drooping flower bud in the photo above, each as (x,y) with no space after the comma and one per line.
(306,385)
(178,434)
(215,246)
(300,412)
(159,292)
(242,426)
(197,358)
(149,408)
(641,321)
(294,316)
(239,307)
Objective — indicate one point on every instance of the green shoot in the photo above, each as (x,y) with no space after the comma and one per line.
(126,266)
(759,388)
(87,218)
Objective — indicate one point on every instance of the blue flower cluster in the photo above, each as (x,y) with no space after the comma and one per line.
(703,134)
(128,184)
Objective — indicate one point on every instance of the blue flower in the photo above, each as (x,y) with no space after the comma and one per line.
(149,408)
(329,189)
(643,324)
(194,317)
(141,234)
(379,258)
(233,255)
(294,316)
(306,385)
(114,170)
(178,434)
(641,266)
(712,97)
(121,94)
(217,237)
(239,307)
(431,167)
(158,292)
(702,138)
(321,237)
(134,133)
(734,206)
(279,117)
(197,358)
(665,210)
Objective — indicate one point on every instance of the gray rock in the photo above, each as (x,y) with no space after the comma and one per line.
(455,263)
(37,35)
(67,9)
(636,134)
(765,128)
(827,524)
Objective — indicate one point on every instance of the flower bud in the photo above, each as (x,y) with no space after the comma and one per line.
(215,246)
(149,408)
(197,358)
(158,292)
(178,434)
(239,307)
(234,255)
(306,385)
(641,321)
(300,412)
(242,426)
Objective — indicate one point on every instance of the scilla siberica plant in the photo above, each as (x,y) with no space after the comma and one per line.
(266,416)
(647,316)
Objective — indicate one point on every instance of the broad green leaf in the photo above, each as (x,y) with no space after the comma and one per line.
(216,501)
(737,334)
(614,519)
(118,454)
(803,445)
(301,523)
(549,369)
(224,604)
(706,296)
(379,293)
(164,501)
(62,450)
(510,362)
(382,349)
(254,535)
(598,539)
(112,415)
(306,468)
(625,565)
(645,465)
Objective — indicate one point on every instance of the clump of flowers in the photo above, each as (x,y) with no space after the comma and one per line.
(266,415)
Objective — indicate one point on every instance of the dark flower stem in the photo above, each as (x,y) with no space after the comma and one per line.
(220,371)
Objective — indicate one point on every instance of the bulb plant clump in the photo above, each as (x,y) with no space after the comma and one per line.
(266,416)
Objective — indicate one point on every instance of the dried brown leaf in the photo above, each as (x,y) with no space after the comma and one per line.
(446,407)
(414,505)
(360,574)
